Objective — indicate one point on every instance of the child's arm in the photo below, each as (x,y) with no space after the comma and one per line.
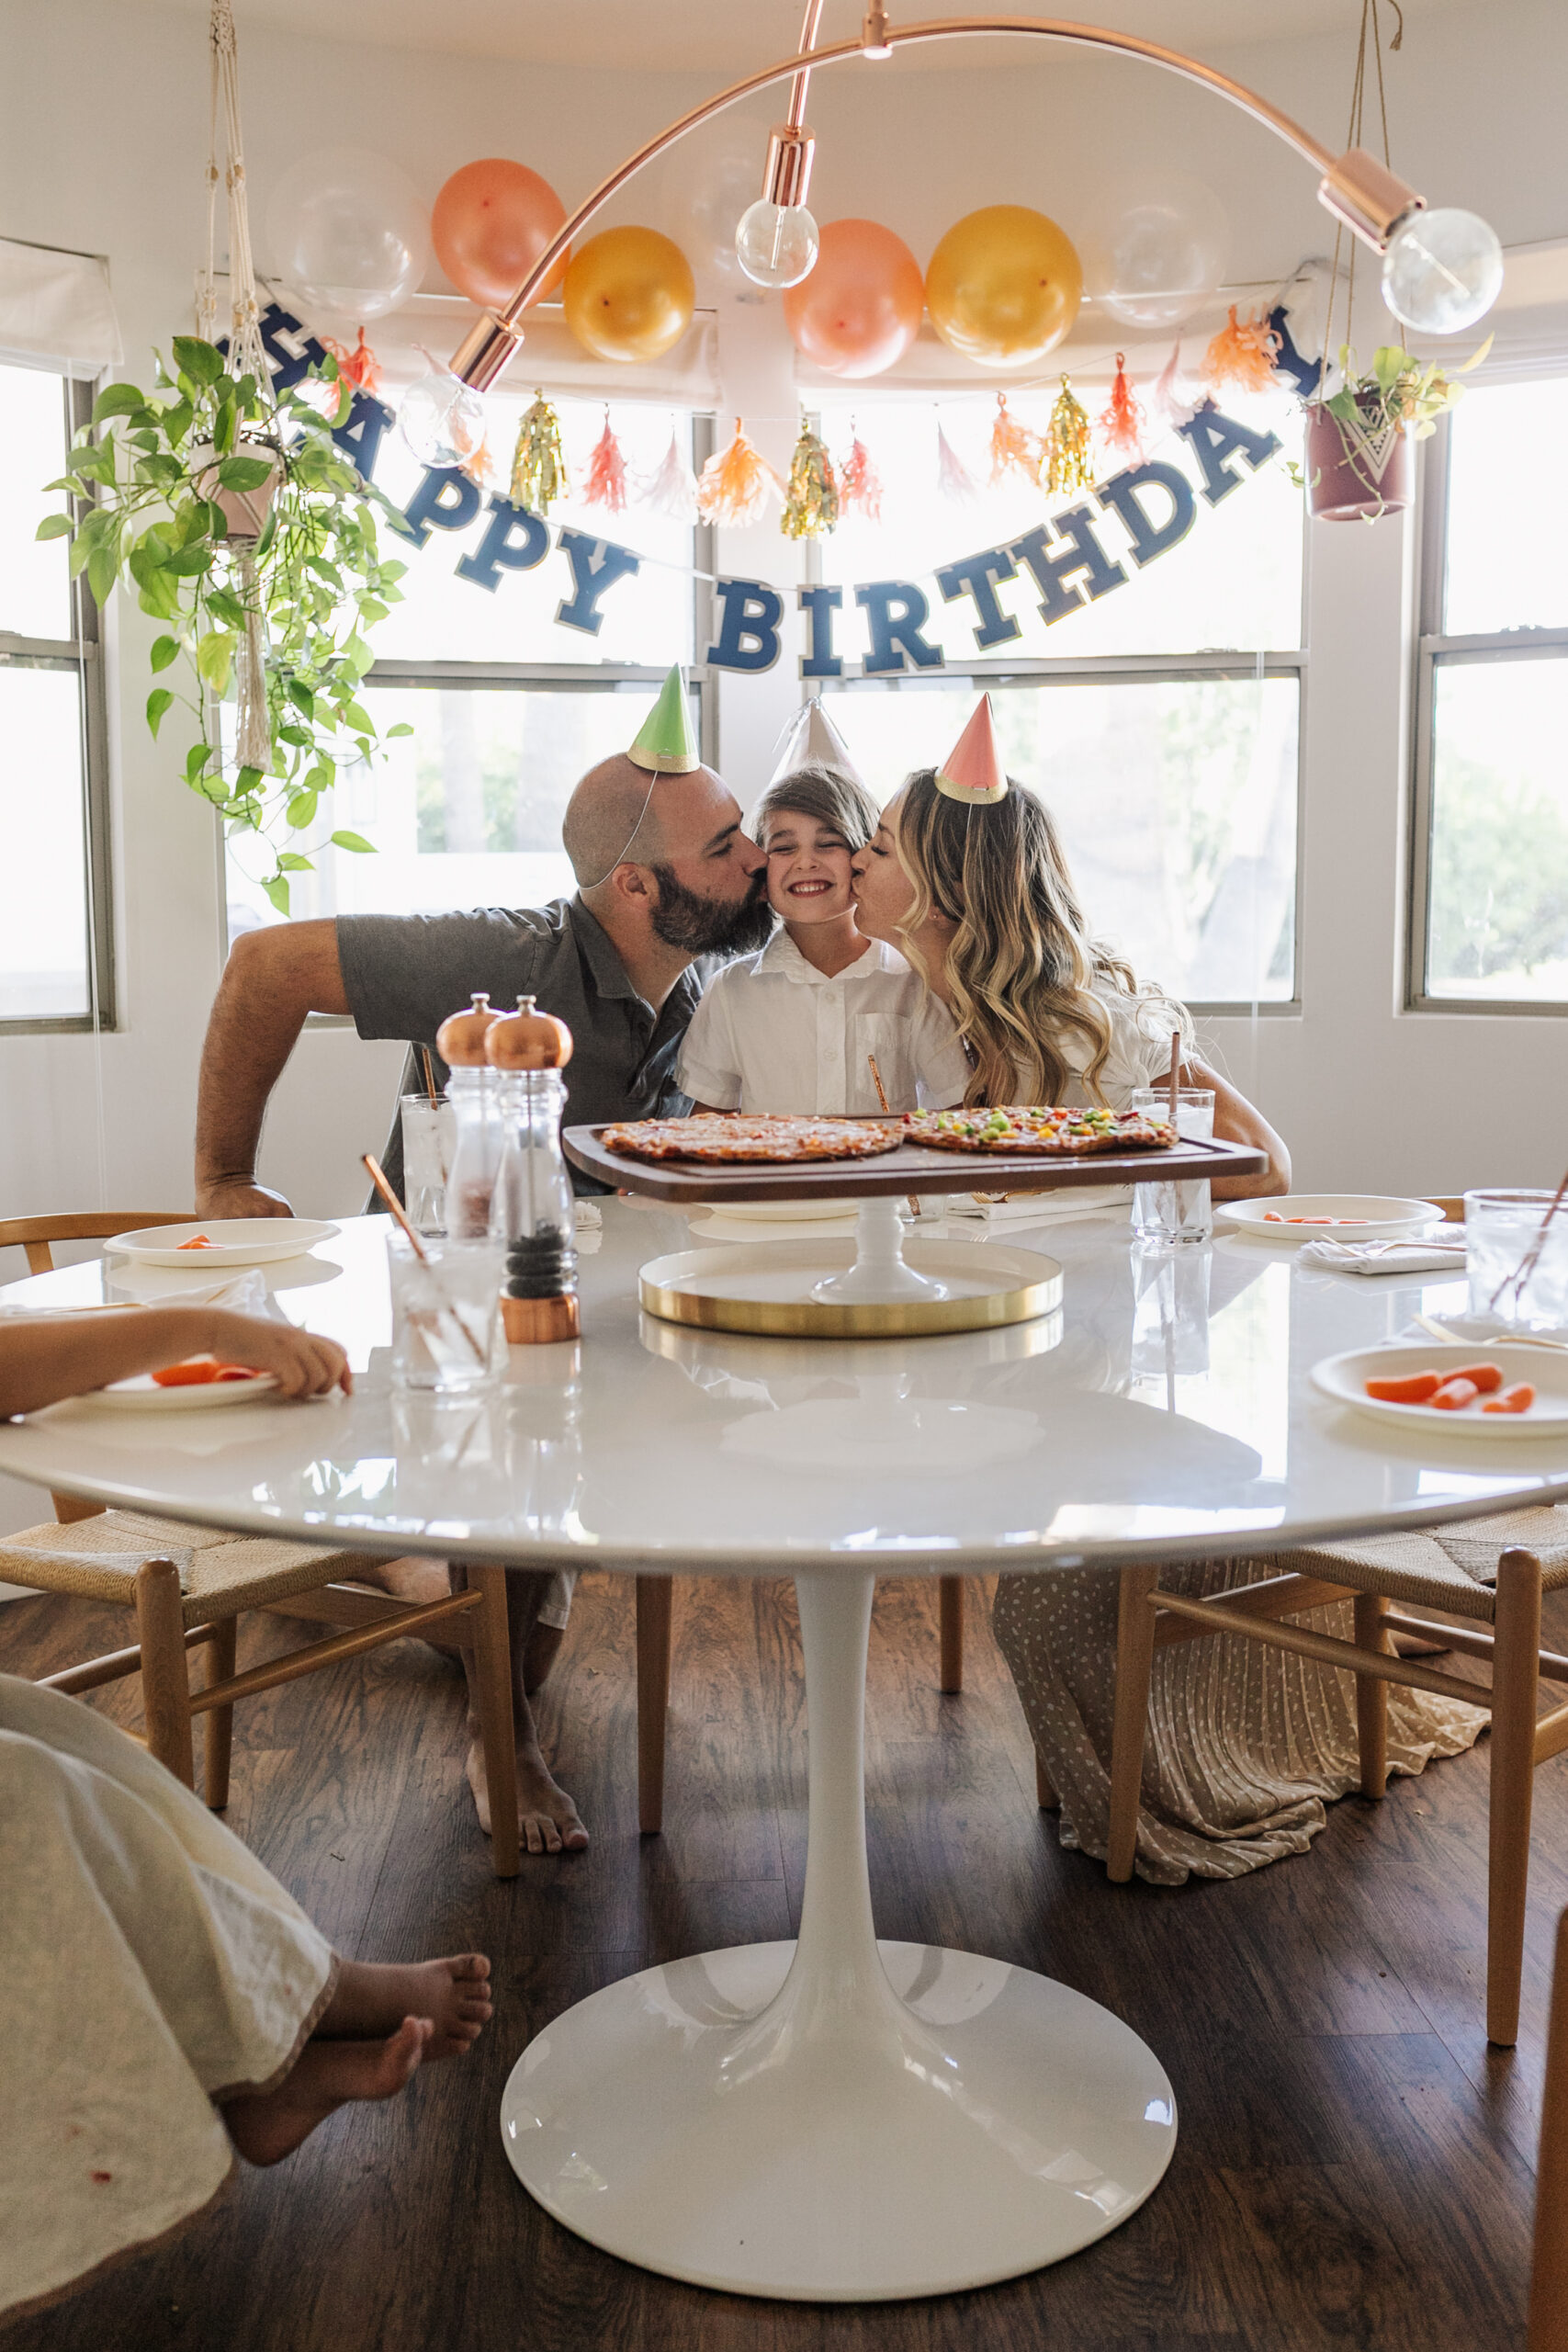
(708,1066)
(67,1355)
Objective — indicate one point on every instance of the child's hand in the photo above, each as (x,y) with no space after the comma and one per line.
(302,1363)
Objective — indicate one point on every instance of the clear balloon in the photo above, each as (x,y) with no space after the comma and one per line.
(860,309)
(1004,285)
(443,419)
(776,244)
(629,294)
(1443,270)
(1163,255)
(350,235)
(492,222)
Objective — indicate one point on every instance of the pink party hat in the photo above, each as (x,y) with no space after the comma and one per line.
(972,770)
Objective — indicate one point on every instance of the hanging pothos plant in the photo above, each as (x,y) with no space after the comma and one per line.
(242,527)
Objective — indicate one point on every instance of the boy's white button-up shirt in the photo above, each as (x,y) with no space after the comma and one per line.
(773,1034)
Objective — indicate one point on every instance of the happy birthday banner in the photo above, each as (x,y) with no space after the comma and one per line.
(1156,505)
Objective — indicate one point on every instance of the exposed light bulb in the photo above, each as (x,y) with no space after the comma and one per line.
(777,244)
(1443,271)
(442,419)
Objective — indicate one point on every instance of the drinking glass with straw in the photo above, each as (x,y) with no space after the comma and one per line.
(445,1304)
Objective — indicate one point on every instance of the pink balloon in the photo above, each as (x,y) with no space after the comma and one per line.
(492,222)
(860,309)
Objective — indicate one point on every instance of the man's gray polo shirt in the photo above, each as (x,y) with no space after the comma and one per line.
(403,974)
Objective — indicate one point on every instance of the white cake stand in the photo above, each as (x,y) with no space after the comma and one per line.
(838,2119)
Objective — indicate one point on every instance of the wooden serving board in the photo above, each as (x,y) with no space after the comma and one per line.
(911,1168)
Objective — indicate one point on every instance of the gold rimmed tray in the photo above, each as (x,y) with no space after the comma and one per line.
(765,1287)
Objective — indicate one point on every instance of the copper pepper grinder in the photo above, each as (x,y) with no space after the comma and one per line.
(532,1211)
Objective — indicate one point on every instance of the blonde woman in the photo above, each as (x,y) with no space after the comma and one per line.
(966,877)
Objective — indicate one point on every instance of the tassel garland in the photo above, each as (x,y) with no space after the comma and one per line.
(479,468)
(1123,425)
(1068,462)
(1014,447)
(605,483)
(359,367)
(1168,401)
(860,484)
(736,483)
(538,462)
(953,479)
(811,499)
(1243,354)
(672,491)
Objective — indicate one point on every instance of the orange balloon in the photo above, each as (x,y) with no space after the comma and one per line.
(628,294)
(1004,285)
(492,222)
(860,309)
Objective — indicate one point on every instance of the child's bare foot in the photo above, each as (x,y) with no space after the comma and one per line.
(371,1997)
(548,1821)
(268,2125)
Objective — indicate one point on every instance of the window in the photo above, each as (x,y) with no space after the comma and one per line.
(1161,723)
(56,960)
(508,706)
(1490,894)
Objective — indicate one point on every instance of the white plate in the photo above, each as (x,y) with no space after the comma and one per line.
(144,1394)
(784,1212)
(1367,1216)
(236,1241)
(1344,1379)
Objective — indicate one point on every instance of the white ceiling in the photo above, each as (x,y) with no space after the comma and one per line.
(730,36)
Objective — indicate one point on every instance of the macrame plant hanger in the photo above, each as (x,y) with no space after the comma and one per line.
(1371,462)
(253,744)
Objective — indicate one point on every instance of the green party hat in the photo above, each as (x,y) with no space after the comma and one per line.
(664,741)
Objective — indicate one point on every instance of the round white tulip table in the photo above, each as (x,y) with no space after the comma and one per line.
(835,2119)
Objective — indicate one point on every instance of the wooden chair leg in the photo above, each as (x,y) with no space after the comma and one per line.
(220,1738)
(655,1599)
(1548,2276)
(165,1684)
(951,1606)
(1515,1667)
(1045,1796)
(1134,1665)
(1372,1696)
(498,1732)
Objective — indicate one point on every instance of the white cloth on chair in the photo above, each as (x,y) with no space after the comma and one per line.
(147,1963)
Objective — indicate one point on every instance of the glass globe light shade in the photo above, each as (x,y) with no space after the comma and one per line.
(777,244)
(1443,271)
(442,419)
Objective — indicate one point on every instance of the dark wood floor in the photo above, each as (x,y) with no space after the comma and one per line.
(1355,2166)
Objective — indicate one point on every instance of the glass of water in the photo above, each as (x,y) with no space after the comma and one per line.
(428,1130)
(1176,1216)
(1516,1255)
(446,1315)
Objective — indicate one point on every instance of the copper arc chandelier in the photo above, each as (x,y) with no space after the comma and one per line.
(1442,268)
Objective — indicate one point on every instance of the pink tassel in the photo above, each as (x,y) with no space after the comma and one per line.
(1168,402)
(953,479)
(1122,421)
(860,484)
(605,483)
(672,491)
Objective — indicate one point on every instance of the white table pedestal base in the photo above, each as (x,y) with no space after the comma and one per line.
(835,2120)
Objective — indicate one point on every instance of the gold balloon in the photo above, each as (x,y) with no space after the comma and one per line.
(628,294)
(1004,285)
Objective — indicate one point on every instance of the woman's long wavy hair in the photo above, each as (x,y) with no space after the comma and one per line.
(1021,964)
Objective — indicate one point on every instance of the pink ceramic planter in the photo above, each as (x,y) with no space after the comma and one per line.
(1351,476)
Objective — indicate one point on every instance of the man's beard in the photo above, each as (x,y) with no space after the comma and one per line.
(710,926)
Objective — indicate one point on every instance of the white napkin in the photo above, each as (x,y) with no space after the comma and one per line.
(1413,1257)
(1042,1208)
(588,1216)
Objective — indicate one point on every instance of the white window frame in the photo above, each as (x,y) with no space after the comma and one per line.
(81,653)
(1436,650)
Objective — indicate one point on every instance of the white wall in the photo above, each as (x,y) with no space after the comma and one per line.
(106,113)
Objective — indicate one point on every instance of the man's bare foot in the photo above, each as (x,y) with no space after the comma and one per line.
(412,1580)
(268,2125)
(371,1997)
(548,1821)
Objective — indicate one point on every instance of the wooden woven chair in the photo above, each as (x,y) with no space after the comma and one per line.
(1486,1573)
(188,1587)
